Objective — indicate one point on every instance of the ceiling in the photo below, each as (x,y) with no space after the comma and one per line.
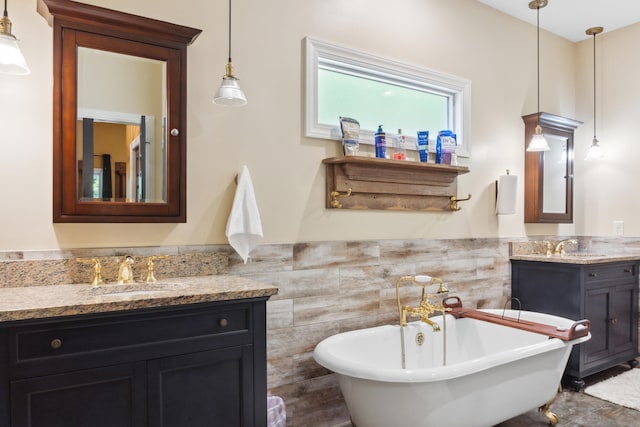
(571,18)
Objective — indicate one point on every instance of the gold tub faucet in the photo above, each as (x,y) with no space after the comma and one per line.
(422,311)
(429,303)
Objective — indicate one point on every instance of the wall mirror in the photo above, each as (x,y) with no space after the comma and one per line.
(548,192)
(119,115)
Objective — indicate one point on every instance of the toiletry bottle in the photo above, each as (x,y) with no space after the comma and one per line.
(400,152)
(446,146)
(423,142)
(381,143)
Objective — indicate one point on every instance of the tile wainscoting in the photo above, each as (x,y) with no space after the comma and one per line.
(324,288)
(331,287)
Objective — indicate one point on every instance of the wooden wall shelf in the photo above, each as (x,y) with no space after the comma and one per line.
(390,184)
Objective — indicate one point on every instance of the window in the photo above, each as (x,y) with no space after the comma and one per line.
(374,91)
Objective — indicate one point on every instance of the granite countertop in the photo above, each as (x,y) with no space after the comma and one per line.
(35,302)
(577,258)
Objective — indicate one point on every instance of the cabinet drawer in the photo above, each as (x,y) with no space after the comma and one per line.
(610,272)
(126,337)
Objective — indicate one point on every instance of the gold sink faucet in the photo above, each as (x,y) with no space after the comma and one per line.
(559,248)
(125,271)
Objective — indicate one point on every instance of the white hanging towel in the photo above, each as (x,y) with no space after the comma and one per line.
(244,228)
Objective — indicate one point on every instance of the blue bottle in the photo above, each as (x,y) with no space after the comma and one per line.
(423,144)
(381,143)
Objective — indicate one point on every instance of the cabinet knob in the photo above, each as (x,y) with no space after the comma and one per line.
(223,322)
(593,274)
(175,132)
(56,343)
(628,270)
(614,321)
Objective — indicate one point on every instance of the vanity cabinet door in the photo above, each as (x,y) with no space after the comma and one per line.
(597,311)
(613,331)
(624,332)
(104,397)
(205,389)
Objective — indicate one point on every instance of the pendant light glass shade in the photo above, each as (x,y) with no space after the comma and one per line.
(595,151)
(11,59)
(229,94)
(538,141)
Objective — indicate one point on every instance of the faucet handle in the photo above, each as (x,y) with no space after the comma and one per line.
(151,278)
(97,269)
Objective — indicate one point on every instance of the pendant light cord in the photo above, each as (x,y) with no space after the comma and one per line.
(5,9)
(538,50)
(594,86)
(229,30)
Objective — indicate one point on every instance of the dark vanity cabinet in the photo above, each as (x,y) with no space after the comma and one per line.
(193,365)
(604,293)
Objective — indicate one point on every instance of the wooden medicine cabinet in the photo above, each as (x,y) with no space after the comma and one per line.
(119,115)
(548,175)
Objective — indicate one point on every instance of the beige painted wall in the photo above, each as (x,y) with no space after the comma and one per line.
(607,190)
(461,37)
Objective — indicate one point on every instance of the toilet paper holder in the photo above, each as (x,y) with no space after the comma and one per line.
(505,198)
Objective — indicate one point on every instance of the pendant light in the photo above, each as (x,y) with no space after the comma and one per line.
(538,142)
(11,59)
(230,94)
(595,152)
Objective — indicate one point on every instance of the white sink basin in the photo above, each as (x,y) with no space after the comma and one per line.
(582,255)
(135,289)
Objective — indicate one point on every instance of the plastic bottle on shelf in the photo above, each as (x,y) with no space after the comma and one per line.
(381,143)
(400,152)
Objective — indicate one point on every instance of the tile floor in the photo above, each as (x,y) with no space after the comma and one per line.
(581,410)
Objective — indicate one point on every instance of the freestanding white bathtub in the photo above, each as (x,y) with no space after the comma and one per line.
(492,372)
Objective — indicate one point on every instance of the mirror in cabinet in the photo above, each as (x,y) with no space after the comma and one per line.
(548,192)
(119,115)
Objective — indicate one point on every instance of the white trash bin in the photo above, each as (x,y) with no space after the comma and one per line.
(276,412)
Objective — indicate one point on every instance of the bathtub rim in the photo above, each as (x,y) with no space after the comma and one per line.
(352,368)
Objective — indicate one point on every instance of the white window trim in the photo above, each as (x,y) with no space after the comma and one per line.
(458,87)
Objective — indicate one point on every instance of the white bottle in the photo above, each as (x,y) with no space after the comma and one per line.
(400,152)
